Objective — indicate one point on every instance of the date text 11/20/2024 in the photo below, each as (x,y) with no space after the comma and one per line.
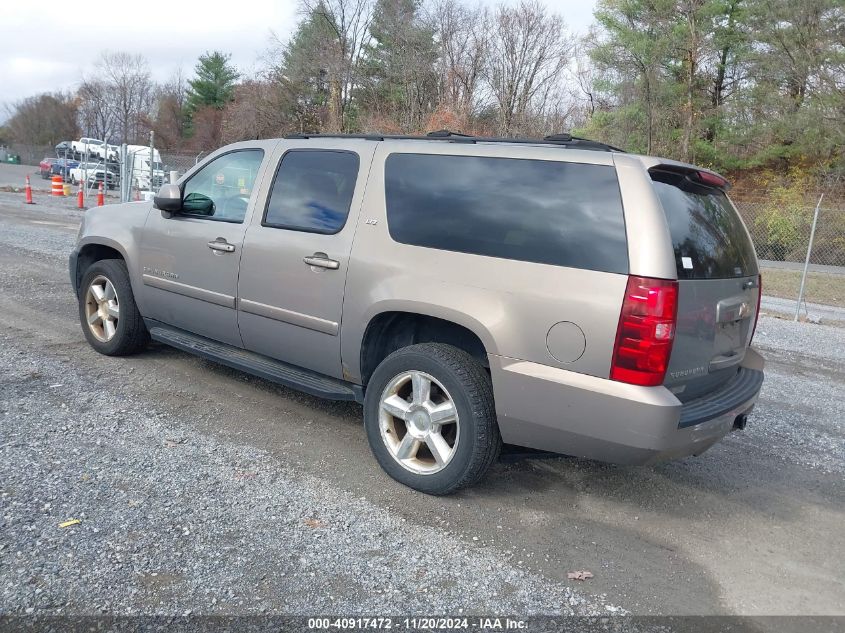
(419,623)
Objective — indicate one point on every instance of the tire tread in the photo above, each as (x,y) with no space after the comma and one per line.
(478,390)
(132,334)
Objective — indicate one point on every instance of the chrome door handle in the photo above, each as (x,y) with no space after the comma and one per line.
(221,245)
(321,260)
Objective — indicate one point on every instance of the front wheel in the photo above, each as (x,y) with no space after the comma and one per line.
(430,418)
(110,319)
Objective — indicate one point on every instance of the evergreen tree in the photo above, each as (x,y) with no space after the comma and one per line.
(632,54)
(303,72)
(401,78)
(214,85)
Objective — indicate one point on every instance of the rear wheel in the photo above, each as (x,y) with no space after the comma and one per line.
(430,418)
(110,319)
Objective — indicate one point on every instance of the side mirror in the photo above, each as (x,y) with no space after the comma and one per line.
(168,200)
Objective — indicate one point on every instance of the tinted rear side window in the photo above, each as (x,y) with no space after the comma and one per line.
(312,191)
(565,214)
(708,237)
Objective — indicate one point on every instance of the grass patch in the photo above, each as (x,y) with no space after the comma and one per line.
(820,288)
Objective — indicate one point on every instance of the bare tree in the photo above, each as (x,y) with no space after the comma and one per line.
(260,109)
(43,119)
(529,53)
(177,87)
(170,119)
(464,38)
(348,24)
(96,114)
(585,84)
(123,86)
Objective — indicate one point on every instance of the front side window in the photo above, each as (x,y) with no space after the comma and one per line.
(221,189)
(548,212)
(312,191)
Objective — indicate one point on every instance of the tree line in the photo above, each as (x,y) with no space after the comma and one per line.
(733,84)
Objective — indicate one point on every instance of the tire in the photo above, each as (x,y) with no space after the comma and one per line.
(127,334)
(474,443)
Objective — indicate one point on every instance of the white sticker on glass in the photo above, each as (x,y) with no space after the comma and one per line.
(687,262)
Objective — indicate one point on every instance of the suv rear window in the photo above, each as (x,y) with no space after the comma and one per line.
(549,212)
(708,237)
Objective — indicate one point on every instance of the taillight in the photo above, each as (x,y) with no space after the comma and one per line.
(759,301)
(646,331)
(712,179)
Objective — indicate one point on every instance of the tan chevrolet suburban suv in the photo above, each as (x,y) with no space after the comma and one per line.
(554,294)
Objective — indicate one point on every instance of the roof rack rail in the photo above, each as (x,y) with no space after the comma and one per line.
(446,133)
(561,140)
(365,137)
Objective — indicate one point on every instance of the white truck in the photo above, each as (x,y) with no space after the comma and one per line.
(92,174)
(139,159)
(93,148)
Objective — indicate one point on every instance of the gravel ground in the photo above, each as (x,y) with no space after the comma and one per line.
(200,489)
(154,536)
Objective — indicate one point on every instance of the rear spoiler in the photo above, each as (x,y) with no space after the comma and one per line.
(697,174)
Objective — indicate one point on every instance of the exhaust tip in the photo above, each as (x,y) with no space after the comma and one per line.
(740,421)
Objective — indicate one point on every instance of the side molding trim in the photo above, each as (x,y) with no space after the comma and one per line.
(217,298)
(289,316)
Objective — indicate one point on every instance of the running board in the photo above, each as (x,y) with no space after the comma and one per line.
(256,364)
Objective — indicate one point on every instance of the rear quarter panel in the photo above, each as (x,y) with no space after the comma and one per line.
(510,305)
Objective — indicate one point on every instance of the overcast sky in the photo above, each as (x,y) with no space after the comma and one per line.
(51,47)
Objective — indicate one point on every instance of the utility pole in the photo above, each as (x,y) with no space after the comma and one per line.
(152,162)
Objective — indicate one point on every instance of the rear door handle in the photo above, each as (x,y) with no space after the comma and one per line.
(321,260)
(221,245)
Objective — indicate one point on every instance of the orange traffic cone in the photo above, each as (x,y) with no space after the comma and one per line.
(80,197)
(28,192)
(100,196)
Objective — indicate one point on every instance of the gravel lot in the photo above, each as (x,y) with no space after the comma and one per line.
(200,489)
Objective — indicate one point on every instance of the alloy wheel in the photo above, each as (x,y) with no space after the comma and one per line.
(418,421)
(102,308)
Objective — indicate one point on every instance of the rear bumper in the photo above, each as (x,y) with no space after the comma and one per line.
(556,410)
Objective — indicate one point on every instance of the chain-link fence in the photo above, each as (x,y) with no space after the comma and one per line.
(144,169)
(180,162)
(781,228)
(31,154)
(782,234)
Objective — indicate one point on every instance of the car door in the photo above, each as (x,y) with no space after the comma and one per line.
(296,252)
(189,260)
